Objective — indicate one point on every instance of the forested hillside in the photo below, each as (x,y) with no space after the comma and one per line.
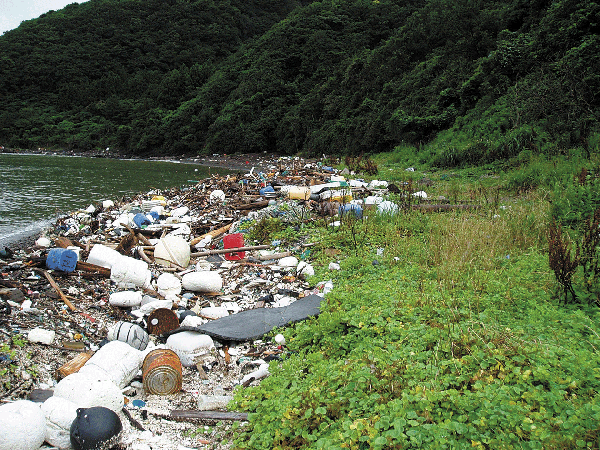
(477,80)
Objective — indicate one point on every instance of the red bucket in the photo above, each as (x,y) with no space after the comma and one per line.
(235,240)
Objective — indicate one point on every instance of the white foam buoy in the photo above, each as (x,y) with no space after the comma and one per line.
(202,281)
(125,299)
(103,256)
(119,360)
(88,389)
(22,426)
(190,344)
(60,414)
(171,250)
(130,272)
(168,284)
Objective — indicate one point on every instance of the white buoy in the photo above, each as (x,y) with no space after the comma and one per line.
(203,281)
(171,250)
(22,426)
(130,272)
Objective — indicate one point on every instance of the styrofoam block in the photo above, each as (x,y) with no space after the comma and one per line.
(214,312)
(130,272)
(188,345)
(120,360)
(125,299)
(60,414)
(168,284)
(86,391)
(22,426)
(103,256)
(203,281)
(41,335)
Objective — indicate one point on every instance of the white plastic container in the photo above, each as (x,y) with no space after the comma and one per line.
(203,281)
(60,414)
(117,359)
(125,299)
(189,345)
(130,273)
(41,335)
(172,249)
(103,256)
(22,426)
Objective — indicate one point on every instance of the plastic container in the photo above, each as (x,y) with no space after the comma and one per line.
(161,372)
(61,259)
(130,333)
(141,220)
(235,240)
(299,193)
(350,209)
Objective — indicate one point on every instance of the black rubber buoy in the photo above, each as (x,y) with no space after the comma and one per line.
(95,428)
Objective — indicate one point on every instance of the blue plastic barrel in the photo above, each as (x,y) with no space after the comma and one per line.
(140,219)
(61,259)
(350,208)
(267,190)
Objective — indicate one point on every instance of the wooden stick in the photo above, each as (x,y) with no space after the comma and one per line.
(213,233)
(214,415)
(143,255)
(57,289)
(229,250)
(88,267)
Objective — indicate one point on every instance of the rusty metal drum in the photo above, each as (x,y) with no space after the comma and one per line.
(161,372)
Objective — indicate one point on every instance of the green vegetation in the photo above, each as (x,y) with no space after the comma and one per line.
(445,330)
(467,82)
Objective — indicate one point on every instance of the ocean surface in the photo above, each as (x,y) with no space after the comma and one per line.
(37,189)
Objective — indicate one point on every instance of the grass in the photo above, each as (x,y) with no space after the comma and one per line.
(444,330)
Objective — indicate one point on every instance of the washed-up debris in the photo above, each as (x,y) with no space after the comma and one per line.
(162,302)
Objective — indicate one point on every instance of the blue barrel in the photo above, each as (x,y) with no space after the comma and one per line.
(350,208)
(61,259)
(140,219)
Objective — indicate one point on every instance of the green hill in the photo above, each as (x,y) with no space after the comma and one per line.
(477,81)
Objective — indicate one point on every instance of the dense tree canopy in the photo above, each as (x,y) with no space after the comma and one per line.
(483,79)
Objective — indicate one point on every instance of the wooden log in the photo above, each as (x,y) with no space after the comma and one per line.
(211,415)
(254,205)
(229,250)
(92,268)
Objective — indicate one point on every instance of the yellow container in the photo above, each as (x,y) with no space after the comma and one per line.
(299,193)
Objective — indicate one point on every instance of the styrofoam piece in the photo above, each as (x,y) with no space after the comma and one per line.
(288,261)
(172,249)
(60,414)
(213,402)
(304,270)
(203,281)
(334,266)
(190,344)
(124,219)
(168,284)
(125,299)
(108,204)
(217,196)
(86,390)
(43,242)
(377,184)
(22,426)
(261,372)
(373,200)
(130,272)
(41,335)
(148,308)
(280,339)
(357,184)
(104,256)
(120,360)
(420,194)
(213,312)
(387,207)
(192,321)
(180,212)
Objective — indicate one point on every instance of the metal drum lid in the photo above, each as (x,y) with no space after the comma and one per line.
(161,321)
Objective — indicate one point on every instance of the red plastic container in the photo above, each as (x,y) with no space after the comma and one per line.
(235,240)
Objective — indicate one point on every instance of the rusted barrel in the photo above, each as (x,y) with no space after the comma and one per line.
(161,372)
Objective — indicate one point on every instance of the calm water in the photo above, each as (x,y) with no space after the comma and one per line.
(36,189)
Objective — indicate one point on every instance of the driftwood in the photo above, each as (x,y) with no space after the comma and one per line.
(255,205)
(92,268)
(56,288)
(213,233)
(211,415)
(229,250)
